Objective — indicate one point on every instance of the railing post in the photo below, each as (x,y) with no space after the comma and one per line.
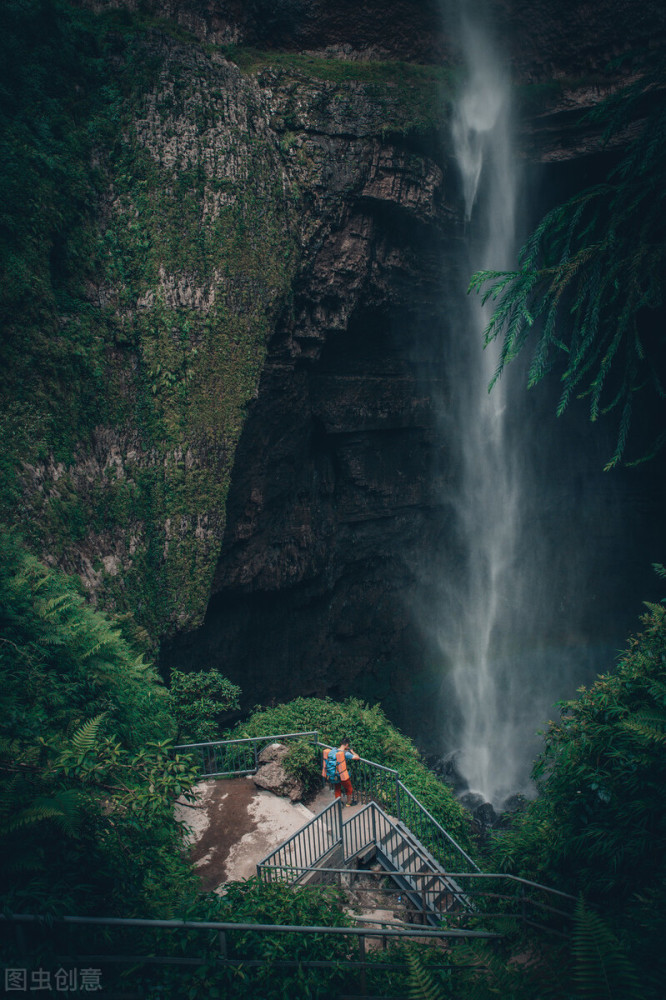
(256,757)
(361,955)
(397,797)
(223,944)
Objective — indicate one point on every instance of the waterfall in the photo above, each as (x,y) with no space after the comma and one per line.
(495,588)
(529,558)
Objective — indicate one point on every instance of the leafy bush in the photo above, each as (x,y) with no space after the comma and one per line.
(304,762)
(248,902)
(198,702)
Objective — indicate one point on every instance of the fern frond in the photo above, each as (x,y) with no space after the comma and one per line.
(602,970)
(421,983)
(62,808)
(85,738)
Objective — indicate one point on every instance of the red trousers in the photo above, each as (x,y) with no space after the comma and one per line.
(343,785)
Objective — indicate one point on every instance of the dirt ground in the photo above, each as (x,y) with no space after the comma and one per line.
(234,826)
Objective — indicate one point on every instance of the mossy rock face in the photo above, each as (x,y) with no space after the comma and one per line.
(159,217)
(125,456)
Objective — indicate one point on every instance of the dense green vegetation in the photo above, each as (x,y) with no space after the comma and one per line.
(87,786)
(199,701)
(399,97)
(149,236)
(598,826)
(147,243)
(137,296)
(588,290)
(88,783)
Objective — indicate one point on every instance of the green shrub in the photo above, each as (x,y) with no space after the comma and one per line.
(599,824)
(87,779)
(199,700)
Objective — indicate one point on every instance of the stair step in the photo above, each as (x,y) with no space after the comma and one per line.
(408,862)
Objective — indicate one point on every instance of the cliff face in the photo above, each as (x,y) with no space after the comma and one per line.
(339,485)
(270,239)
(229,207)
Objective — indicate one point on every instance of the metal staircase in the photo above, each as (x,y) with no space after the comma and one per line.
(420,874)
(367,835)
(434,872)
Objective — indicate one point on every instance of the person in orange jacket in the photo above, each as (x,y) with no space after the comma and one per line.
(335,770)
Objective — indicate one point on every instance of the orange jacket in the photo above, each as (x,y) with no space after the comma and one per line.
(341,763)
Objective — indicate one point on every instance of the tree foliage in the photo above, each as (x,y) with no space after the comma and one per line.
(589,287)
(371,735)
(199,701)
(599,824)
(87,778)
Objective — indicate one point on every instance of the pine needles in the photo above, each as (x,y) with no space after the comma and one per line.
(590,279)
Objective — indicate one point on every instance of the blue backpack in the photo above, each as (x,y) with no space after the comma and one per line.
(331,766)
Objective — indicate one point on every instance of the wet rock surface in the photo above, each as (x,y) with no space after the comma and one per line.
(235,825)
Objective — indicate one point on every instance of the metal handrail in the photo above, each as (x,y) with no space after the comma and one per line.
(433,823)
(402,808)
(214,755)
(369,828)
(364,760)
(314,841)
(219,925)
(417,820)
(249,739)
(473,890)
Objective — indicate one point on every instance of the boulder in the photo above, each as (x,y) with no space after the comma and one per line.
(514,804)
(485,815)
(471,800)
(273,776)
(448,769)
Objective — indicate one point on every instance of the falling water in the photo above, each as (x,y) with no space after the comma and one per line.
(495,584)
(530,555)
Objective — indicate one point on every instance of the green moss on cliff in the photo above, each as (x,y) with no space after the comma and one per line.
(150,231)
(400,97)
(145,251)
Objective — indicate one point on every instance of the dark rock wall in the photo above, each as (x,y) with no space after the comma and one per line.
(547,39)
(337,491)
(335,488)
